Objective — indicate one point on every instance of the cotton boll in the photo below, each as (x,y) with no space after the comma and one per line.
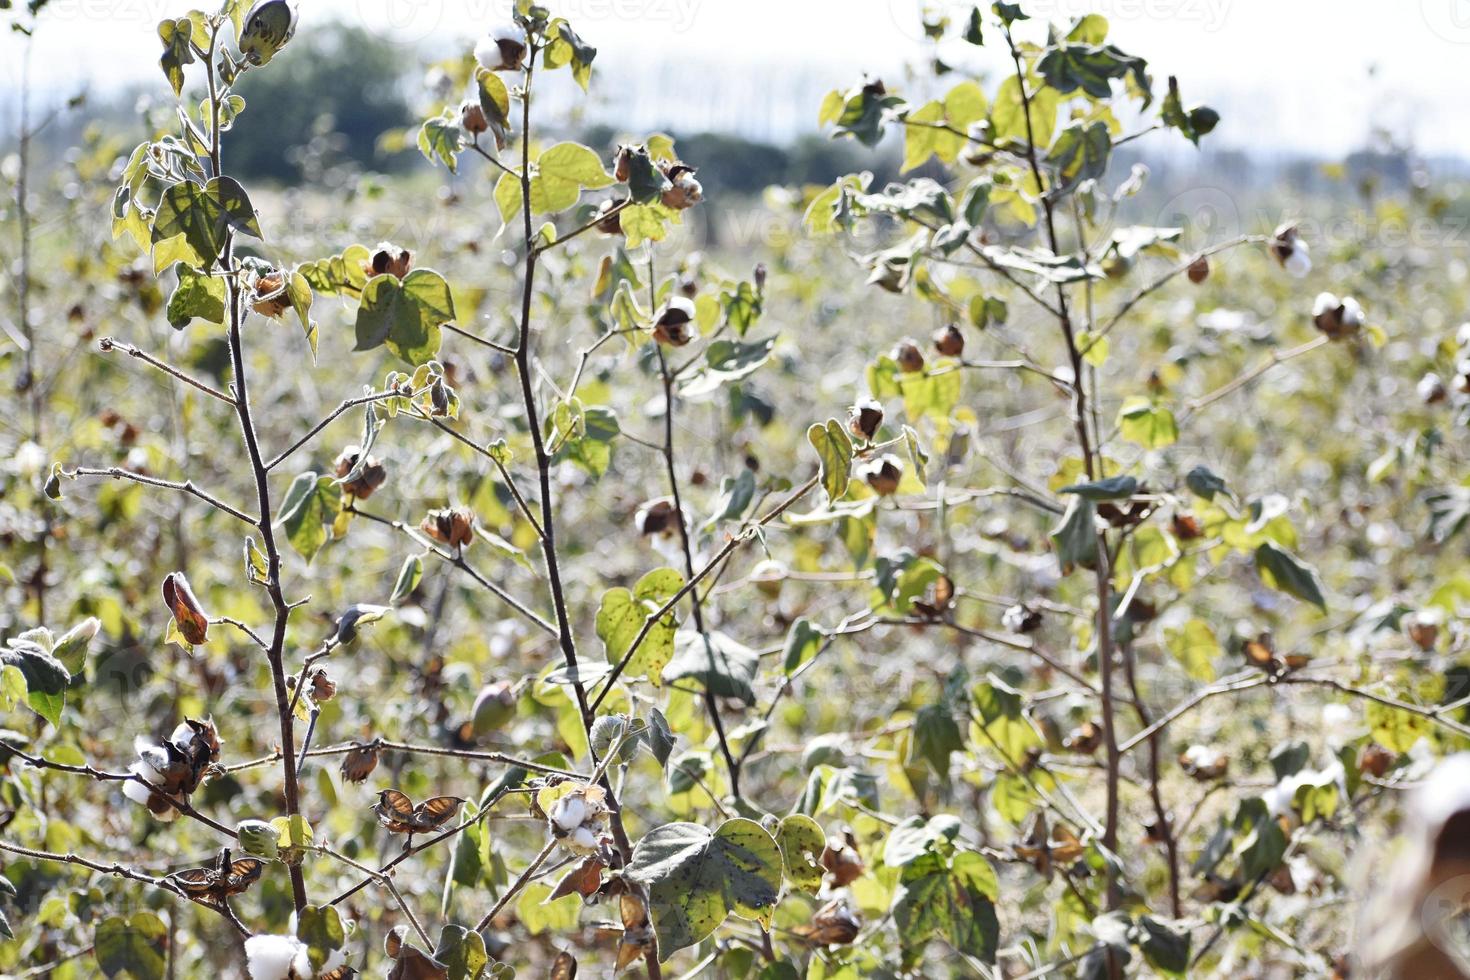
(1336,716)
(503,49)
(1299,264)
(1352,313)
(584,840)
(135,790)
(1324,303)
(29,460)
(277,958)
(569,812)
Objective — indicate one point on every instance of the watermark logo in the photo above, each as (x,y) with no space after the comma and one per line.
(1448,19)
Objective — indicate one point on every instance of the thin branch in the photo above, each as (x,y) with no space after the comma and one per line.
(186,486)
(108,344)
(502,348)
(336,413)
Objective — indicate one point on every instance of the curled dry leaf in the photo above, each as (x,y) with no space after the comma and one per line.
(585,879)
(189,617)
(1047,848)
(638,937)
(841,860)
(359,762)
(835,924)
(564,967)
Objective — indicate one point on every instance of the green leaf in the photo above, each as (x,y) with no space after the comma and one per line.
(1195,646)
(442,137)
(834,450)
(562,172)
(462,952)
(803,641)
(1003,720)
(952,900)
(622,615)
(1093,69)
(936,736)
(1165,945)
(308,510)
(133,944)
(196,296)
(726,361)
(1008,117)
(175,35)
(1113,488)
(405,314)
(194,220)
(802,842)
(46,678)
(719,663)
(916,837)
(1074,539)
(1080,153)
(320,928)
(695,879)
(408,579)
(1202,482)
(1283,571)
(1260,842)
(1143,421)
(13,687)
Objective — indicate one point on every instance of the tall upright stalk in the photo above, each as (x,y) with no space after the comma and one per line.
(240,393)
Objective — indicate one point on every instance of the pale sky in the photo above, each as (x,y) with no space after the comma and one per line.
(1287,74)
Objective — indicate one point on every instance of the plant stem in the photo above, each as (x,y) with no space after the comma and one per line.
(275,654)
(1090,463)
(711,704)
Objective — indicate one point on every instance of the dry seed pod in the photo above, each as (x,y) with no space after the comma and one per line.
(673,325)
(1204,763)
(454,526)
(835,924)
(841,860)
(1199,270)
(1185,527)
(656,517)
(472,118)
(397,813)
(865,418)
(1084,739)
(1431,389)
(358,764)
(1337,318)
(1291,251)
(883,474)
(188,615)
(388,260)
(609,217)
(368,480)
(685,191)
(1021,618)
(270,297)
(1375,760)
(909,358)
(949,341)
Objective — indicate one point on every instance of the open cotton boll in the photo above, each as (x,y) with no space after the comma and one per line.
(136,791)
(1299,263)
(569,812)
(503,49)
(277,958)
(1352,313)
